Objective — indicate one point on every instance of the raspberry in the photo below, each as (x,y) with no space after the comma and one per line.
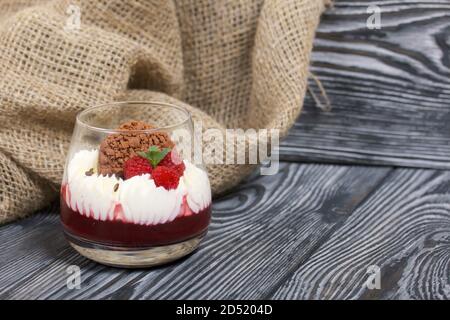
(173,160)
(166,177)
(136,166)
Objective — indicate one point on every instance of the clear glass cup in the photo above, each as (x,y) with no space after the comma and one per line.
(131,194)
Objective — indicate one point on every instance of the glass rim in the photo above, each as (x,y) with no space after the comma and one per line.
(83,123)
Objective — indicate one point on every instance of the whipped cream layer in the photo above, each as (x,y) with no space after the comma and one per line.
(136,200)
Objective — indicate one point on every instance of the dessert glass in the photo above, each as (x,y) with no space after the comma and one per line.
(131,195)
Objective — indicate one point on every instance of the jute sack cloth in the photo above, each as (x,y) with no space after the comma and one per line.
(233,64)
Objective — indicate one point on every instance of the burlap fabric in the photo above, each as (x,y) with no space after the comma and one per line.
(231,63)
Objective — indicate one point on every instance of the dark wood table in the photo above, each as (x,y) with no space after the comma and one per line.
(362,187)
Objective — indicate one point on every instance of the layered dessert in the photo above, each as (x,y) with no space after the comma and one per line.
(134,191)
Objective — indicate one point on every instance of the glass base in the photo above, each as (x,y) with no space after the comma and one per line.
(134,258)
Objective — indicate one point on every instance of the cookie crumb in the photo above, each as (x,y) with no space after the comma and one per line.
(117,148)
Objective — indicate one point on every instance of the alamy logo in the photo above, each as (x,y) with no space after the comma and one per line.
(73,22)
(74,279)
(374,20)
(374,279)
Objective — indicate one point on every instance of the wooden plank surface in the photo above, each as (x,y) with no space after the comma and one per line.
(390,88)
(312,230)
(259,235)
(309,232)
(403,228)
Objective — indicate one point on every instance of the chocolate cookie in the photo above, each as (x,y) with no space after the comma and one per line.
(119,147)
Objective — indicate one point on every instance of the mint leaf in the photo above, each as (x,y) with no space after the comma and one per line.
(157,158)
(153,149)
(154,155)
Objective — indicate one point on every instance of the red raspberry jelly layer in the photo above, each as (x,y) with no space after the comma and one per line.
(125,234)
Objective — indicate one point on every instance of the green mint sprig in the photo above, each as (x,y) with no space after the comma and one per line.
(154,155)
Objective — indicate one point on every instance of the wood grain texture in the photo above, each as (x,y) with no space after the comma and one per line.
(311,231)
(403,228)
(259,235)
(390,88)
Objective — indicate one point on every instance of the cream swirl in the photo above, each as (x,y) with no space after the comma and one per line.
(197,186)
(145,203)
